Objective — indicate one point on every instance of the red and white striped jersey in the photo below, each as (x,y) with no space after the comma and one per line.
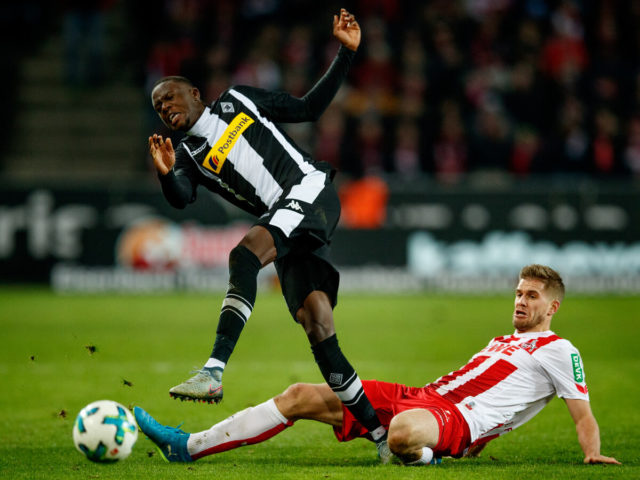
(511,380)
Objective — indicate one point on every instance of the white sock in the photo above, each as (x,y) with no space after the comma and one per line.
(425,459)
(249,426)
(214,362)
(378,433)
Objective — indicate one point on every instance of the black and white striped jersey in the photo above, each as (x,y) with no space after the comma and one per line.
(237,149)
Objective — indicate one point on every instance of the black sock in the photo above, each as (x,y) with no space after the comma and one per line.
(344,381)
(238,303)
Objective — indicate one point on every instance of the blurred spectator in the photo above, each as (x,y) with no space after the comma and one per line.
(370,145)
(259,67)
(406,155)
(446,70)
(570,145)
(375,76)
(329,138)
(632,148)
(450,152)
(491,143)
(259,70)
(84,30)
(528,42)
(526,150)
(218,77)
(605,144)
(168,55)
(523,94)
(565,55)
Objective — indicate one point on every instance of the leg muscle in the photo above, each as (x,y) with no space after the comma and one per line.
(411,430)
(310,402)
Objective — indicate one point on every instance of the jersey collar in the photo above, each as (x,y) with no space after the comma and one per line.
(203,124)
(533,334)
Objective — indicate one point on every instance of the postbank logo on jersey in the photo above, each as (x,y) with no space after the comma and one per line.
(218,154)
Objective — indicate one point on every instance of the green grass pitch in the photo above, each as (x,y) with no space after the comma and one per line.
(146,344)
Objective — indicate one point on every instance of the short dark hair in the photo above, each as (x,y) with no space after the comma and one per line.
(174,78)
(547,275)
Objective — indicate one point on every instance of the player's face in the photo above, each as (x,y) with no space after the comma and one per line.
(177,104)
(534,307)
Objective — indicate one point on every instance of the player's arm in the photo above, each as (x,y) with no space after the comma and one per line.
(178,189)
(587,430)
(283,107)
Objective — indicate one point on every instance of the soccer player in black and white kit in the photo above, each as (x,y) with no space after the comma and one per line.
(235,148)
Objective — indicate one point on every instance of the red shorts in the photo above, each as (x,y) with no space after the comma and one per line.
(389,399)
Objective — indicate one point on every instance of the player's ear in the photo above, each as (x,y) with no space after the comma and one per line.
(195,93)
(553,308)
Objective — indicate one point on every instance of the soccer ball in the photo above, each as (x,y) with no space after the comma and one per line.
(105,431)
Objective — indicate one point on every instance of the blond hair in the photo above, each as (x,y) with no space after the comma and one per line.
(552,280)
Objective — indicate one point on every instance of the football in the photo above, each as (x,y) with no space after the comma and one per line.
(105,431)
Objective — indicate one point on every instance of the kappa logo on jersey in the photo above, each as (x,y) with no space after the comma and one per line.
(293,205)
(227,107)
(218,154)
(577,368)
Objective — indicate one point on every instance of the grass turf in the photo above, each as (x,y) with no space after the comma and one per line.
(145,344)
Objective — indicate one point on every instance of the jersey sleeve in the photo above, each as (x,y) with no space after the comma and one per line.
(285,108)
(179,185)
(562,362)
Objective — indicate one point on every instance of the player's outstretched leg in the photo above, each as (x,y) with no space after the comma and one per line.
(171,442)
(249,426)
(316,317)
(206,385)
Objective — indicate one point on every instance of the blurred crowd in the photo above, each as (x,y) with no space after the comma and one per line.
(440,87)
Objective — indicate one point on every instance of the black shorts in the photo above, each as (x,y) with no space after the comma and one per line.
(302,234)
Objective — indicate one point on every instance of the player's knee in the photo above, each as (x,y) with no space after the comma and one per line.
(404,435)
(316,317)
(241,257)
(399,440)
(317,331)
(295,391)
(293,401)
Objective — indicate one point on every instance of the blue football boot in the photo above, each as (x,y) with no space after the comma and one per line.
(171,442)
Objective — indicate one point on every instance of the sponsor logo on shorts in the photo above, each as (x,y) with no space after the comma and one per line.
(335,378)
(293,205)
(577,368)
(218,154)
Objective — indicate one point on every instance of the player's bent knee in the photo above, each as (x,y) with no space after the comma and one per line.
(411,430)
(294,400)
(399,441)
(317,326)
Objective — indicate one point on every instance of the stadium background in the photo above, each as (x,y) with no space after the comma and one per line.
(471,137)
(479,135)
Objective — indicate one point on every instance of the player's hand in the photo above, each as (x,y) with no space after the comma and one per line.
(601,459)
(162,153)
(346,29)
